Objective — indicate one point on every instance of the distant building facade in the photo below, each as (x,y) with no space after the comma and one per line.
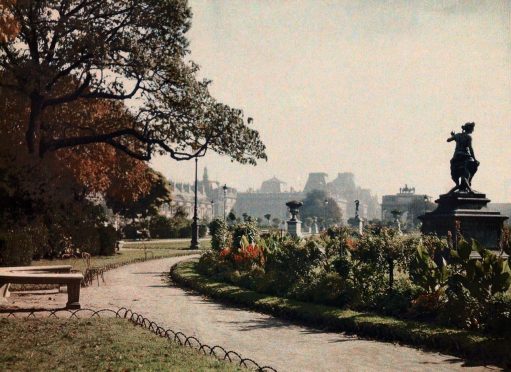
(211,198)
(271,198)
(409,204)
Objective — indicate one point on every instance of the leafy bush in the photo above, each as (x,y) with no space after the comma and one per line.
(291,263)
(398,301)
(473,284)
(459,288)
(247,229)
(220,235)
(16,247)
(438,280)
(108,237)
(498,317)
(203,230)
(85,239)
(327,288)
(428,267)
(129,231)
(161,227)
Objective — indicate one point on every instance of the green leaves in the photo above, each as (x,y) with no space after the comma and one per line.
(464,249)
(423,269)
(61,52)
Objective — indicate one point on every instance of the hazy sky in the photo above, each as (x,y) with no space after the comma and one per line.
(369,87)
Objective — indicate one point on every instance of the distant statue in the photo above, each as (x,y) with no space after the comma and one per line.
(357,204)
(463,163)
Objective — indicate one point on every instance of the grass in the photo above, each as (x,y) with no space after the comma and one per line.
(122,257)
(176,244)
(471,345)
(94,344)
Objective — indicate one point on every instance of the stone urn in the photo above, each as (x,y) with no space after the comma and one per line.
(294,224)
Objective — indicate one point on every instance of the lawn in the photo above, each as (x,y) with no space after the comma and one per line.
(119,258)
(124,257)
(92,345)
(164,244)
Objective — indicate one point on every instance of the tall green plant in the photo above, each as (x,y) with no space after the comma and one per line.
(428,268)
(247,229)
(220,235)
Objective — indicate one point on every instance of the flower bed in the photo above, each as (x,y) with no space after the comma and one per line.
(415,277)
(468,344)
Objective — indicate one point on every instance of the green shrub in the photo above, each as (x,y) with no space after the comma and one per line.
(40,240)
(86,239)
(464,287)
(428,267)
(203,230)
(291,263)
(327,288)
(398,301)
(498,318)
(220,236)
(108,237)
(247,229)
(161,227)
(16,247)
(130,231)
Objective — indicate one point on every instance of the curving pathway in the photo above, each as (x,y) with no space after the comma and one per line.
(143,288)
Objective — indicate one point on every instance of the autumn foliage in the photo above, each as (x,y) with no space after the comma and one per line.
(52,195)
(8,25)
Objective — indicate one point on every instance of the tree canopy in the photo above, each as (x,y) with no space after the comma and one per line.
(314,206)
(54,53)
(148,204)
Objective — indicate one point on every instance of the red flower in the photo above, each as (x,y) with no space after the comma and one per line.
(225,252)
(248,254)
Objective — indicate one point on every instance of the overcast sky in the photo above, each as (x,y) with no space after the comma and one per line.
(369,87)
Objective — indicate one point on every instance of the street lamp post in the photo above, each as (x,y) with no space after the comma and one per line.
(225,200)
(195,226)
(212,210)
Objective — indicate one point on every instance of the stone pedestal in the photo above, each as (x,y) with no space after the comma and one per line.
(360,225)
(294,228)
(477,221)
(314,228)
(357,223)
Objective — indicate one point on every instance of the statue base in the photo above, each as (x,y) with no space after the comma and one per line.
(294,228)
(357,223)
(314,229)
(477,221)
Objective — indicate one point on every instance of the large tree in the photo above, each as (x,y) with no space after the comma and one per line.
(75,172)
(54,53)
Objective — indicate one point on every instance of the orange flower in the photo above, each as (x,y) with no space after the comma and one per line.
(352,244)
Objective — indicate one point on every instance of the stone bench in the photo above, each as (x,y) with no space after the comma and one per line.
(43,275)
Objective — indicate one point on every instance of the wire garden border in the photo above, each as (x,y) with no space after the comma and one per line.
(173,336)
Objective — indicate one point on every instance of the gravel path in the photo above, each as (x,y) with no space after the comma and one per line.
(143,288)
(286,347)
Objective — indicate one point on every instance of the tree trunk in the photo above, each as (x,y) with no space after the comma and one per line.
(32,135)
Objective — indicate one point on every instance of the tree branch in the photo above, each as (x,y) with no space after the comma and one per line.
(69,97)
